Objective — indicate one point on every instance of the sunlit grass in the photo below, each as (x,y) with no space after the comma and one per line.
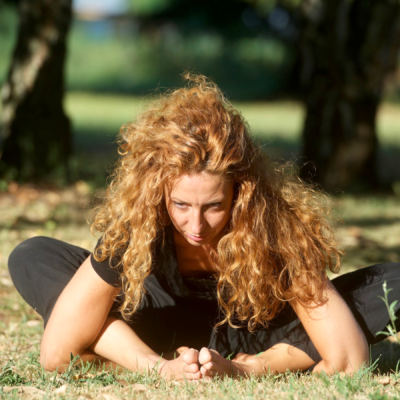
(283,120)
(103,112)
(388,124)
(109,112)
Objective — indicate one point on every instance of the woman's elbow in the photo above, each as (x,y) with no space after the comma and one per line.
(51,364)
(352,365)
(358,358)
(52,360)
(347,364)
(350,359)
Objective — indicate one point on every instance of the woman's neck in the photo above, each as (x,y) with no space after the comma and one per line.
(195,261)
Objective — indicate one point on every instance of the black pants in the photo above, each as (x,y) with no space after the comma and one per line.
(41,267)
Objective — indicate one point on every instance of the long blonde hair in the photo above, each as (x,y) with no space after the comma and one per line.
(278,242)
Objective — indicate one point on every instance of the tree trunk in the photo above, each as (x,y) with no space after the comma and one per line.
(36,133)
(348,48)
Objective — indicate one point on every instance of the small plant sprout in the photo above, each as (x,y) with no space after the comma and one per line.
(391,327)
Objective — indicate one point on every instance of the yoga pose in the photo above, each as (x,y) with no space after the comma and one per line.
(211,261)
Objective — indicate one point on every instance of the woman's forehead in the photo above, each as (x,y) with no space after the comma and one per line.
(202,182)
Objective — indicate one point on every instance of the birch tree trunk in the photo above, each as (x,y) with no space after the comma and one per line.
(348,48)
(36,133)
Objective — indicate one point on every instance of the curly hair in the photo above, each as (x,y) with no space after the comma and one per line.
(278,242)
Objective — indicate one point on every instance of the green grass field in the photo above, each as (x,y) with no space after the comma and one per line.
(368,230)
(275,125)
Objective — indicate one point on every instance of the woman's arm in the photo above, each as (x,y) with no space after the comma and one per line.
(79,324)
(332,329)
(335,334)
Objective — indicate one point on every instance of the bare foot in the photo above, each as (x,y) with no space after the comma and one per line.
(184,367)
(213,364)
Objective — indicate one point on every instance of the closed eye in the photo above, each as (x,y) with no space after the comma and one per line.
(214,205)
(179,205)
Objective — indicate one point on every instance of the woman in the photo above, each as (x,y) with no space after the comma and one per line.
(211,261)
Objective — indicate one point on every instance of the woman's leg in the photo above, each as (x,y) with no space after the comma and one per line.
(41,267)
(362,290)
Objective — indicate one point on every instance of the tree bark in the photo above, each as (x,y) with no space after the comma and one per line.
(36,133)
(348,48)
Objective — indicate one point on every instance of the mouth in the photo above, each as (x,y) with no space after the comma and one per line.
(196,238)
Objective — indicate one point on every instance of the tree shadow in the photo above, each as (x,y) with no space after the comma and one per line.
(96,152)
(94,140)
(372,222)
(279,149)
(374,253)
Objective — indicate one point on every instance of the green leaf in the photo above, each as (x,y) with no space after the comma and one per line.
(392,310)
(383,333)
(391,331)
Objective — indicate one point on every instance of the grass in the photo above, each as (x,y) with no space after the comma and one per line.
(103,114)
(368,229)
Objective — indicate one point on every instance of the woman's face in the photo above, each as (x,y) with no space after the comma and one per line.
(199,206)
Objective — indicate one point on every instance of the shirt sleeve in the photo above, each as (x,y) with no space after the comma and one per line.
(107,269)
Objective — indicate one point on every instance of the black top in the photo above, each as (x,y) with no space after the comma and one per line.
(165,268)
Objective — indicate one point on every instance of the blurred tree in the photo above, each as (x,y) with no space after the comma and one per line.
(348,47)
(346,50)
(36,133)
(196,16)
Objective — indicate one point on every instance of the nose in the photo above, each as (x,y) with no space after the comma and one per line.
(196,222)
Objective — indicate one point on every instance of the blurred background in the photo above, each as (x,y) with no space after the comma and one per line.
(317,80)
